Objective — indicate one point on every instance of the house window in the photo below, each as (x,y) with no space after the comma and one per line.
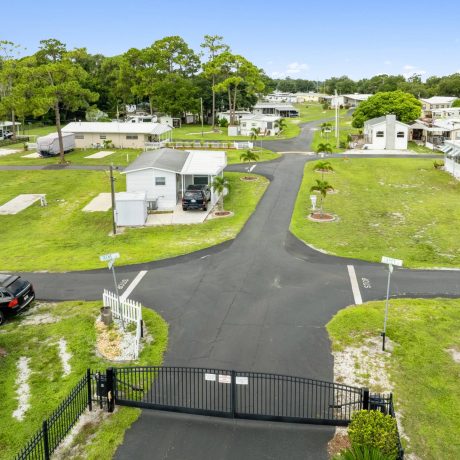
(400,134)
(79,136)
(102,136)
(380,134)
(243,125)
(200,180)
(160,180)
(130,136)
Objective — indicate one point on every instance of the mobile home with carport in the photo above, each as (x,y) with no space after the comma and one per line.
(165,174)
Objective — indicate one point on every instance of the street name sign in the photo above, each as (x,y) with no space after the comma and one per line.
(109,257)
(391,261)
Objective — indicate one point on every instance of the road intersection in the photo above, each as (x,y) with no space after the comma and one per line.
(259,302)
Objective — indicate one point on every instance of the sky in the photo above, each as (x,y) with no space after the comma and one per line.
(299,39)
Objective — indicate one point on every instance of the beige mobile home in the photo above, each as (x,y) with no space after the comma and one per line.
(122,135)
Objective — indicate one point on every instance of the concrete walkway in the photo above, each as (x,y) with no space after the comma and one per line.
(101,203)
(178,217)
(20,202)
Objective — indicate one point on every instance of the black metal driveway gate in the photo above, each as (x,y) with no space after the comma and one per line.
(225,393)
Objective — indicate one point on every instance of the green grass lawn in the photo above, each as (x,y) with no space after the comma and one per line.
(396,207)
(411,145)
(120,157)
(423,372)
(62,237)
(74,322)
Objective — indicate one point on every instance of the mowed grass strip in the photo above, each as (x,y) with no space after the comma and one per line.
(75,323)
(421,367)
(120,157)
(401,208)
(62,237)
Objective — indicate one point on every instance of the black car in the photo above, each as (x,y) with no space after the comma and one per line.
(15,295)
(204,188)
(194,199)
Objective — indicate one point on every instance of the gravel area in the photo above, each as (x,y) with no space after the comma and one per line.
(114,343)
(23,388)
(65,357)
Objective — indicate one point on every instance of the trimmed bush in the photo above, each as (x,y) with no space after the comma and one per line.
(373,429)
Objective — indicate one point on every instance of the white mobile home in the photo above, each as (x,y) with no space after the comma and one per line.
(266,124)
(386,133)
(122,135)
(275,108)
(165,174)
(238,115)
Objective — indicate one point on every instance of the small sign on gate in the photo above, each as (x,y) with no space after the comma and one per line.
(242,381)
(225,378)
(210,377)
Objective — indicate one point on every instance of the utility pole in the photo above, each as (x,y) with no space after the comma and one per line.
(112,192)
(202,121)
(337,128)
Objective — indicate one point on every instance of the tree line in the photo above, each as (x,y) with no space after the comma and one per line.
(448,85)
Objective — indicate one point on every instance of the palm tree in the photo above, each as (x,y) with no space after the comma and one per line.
(323,166)
(249,156)
(281,124)
(324,148)
(219,184)
(254,134)
(326,127)
(322,187)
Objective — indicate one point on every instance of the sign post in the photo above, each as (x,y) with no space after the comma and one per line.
(313,199)
(391,262)
(110,259)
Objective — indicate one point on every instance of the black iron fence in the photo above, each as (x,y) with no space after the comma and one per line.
(226,393)
(55,428)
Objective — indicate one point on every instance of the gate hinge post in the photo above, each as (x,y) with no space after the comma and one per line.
(365,398)
(233,395)
(110,382)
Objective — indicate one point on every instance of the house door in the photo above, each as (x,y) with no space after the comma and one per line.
(178,188)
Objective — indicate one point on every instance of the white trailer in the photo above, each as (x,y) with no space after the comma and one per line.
(49,145)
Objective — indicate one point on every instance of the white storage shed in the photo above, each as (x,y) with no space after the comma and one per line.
(131,208)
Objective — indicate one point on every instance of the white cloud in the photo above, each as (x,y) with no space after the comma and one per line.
(293,69)
(409,70)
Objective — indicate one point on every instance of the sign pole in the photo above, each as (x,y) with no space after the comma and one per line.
(390,270)
(391,262)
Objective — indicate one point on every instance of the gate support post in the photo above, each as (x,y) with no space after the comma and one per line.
(110,379)
(365,398)
(233,394)
(46,446)
(88,384)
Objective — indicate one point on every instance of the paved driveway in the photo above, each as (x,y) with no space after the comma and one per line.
(258,303)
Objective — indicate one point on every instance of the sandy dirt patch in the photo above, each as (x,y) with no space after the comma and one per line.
(23,388)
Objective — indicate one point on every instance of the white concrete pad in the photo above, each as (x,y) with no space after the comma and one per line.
(102,203)
(178,217)
(32,155)
(19,203)
(4,152)
(377,152)
(101,154)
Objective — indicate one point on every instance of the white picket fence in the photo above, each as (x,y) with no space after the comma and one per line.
(127,311)
(123,309)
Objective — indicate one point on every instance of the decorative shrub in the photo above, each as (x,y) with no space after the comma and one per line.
(362,453)
(373,429)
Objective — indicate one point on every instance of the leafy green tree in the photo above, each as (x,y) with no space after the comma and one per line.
(57,83)
(405,106)
(249,156)
(343,85)
(219,185)
(12,101)
(235,71)
(456,103)
(324,148)
(214,46)
(323,167)
(322,187)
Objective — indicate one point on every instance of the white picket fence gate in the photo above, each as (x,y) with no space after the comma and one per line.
(127,311)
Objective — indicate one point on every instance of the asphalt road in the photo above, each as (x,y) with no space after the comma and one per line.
(258,303)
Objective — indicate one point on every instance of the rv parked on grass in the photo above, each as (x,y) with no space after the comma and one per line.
(48,145)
